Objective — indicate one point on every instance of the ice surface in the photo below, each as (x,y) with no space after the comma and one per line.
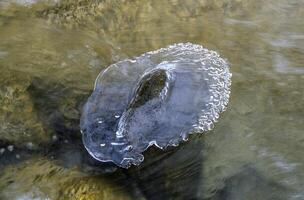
(158,98)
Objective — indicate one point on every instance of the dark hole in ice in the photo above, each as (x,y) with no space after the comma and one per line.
(150,87)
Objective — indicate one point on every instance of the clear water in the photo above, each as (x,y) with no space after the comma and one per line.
(52,51)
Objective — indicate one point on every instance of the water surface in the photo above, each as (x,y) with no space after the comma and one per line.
(52,51)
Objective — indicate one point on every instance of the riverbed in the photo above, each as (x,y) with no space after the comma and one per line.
(51,51)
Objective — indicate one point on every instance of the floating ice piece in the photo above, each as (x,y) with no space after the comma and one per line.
(158,98)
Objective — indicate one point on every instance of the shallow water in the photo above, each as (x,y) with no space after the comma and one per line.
(51,53)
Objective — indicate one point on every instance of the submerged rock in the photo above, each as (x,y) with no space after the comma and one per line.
(67,12)
(19,121)
(158,98)
(39,178)
(251,184)
(176,170)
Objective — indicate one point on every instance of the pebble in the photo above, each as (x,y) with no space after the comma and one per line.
(10,148)
(54,138)
(2,150)
(29,145)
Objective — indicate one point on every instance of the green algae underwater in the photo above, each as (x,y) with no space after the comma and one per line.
(51,52)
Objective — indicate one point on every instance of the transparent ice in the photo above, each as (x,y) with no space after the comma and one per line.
(158,98)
